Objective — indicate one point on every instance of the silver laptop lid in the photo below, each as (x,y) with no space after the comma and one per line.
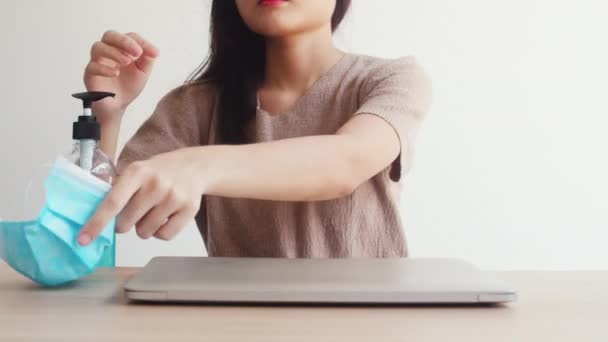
(316,281)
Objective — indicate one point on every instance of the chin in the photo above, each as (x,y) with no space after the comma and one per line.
(275,27)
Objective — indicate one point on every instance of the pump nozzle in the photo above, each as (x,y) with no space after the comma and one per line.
(87,129)
(92,96)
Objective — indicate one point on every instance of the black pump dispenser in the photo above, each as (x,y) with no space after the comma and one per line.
(87,126)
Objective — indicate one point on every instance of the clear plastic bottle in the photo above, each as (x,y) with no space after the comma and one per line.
(101,166)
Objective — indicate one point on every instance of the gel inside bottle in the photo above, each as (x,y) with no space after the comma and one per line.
(86,153)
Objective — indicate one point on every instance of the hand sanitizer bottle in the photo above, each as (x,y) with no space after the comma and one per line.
(86,133)
(86,153)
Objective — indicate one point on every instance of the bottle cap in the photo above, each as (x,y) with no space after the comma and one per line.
(87,126)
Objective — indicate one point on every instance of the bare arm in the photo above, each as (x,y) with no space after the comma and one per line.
(160,195)
(121,64)
(300,169)
(109,136)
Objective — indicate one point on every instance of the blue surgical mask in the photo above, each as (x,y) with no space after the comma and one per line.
(46,249)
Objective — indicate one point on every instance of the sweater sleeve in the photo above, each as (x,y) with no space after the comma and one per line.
(181,119)
(398,91)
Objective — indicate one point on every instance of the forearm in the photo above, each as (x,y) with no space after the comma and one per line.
(110,131)
(299,169)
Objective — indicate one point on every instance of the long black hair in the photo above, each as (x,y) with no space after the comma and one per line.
(236,65)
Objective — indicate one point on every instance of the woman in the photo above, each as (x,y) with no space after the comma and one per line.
(281,146)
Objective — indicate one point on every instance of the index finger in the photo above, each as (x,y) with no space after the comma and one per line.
(149,49)
(111,206)
(122,42)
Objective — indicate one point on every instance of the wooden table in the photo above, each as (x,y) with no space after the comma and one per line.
(552,306)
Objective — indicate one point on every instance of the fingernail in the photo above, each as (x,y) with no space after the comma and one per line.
(84,239)
(135,52)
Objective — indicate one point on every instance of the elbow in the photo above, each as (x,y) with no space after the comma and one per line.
(345,186)
(331,189)
(344,192)
(346,181)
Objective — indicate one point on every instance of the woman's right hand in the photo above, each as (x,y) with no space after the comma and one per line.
(121,64)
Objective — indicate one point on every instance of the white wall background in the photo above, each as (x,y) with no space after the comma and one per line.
(511,168)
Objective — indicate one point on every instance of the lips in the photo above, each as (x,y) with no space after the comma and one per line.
(271,2)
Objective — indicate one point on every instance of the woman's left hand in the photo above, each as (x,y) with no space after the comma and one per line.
(157,196)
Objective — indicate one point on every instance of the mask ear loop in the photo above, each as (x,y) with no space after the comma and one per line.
(2,244)
(43,169)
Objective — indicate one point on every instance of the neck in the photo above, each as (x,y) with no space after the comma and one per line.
(297,61)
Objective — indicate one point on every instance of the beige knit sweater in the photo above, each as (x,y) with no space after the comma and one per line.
(365,224)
